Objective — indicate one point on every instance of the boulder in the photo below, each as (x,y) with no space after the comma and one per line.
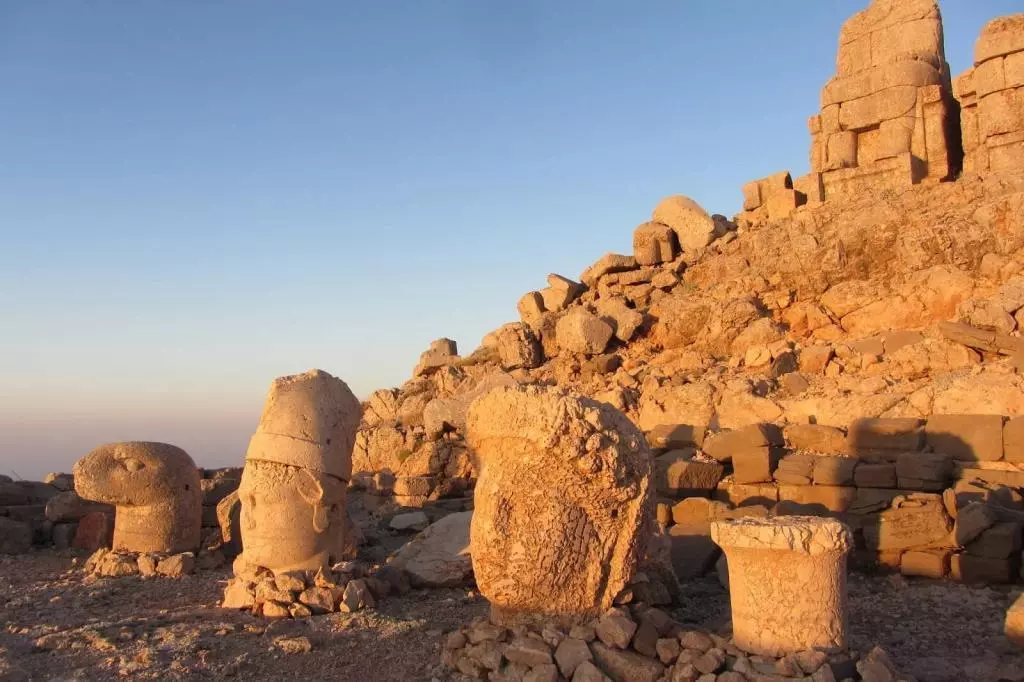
(439,556)
(694,228)
(654,243)
(580,331)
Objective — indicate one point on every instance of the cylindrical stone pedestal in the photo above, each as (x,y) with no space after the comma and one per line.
(787,582)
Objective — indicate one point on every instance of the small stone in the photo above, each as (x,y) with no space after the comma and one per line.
(810,661)
(570,654)
(455,640)
(683,672)
(646,639)
(698,641)
(147,565)
(588,672)
(275,609)
(294,645)
(615,629)
(298,610)
(528,651)
(356,596)
(320,599)
(546,672)
(823,674)
(626,665)
(238,595)
(177,565)
(711,661)
(416,520)
(668,650)
(584,632)
(289,582)
(484,631)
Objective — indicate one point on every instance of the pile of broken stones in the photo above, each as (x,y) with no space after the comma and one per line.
(638,644)
(344,588)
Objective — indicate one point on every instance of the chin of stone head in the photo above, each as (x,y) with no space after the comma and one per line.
(135,474)
(291,517)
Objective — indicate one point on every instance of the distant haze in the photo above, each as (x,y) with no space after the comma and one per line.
(198,197)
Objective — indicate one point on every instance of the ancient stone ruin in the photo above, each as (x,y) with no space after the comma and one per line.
(563,505)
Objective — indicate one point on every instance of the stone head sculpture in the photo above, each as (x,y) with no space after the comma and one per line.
(562,506)
(296,472)
(156,491)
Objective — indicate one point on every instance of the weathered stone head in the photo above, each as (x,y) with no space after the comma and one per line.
(297,468)
(562,505)
(155,488)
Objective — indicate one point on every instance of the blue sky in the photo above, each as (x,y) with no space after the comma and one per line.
(196,197)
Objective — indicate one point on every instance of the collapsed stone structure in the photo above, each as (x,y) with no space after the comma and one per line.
(563,508)
(155,489)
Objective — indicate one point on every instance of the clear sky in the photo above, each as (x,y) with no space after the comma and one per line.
(196,197)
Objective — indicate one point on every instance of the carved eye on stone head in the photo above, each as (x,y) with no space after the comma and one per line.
(132,464)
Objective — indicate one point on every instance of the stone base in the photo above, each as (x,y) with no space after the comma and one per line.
(114,564)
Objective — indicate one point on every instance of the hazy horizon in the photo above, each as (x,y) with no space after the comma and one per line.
(198,198)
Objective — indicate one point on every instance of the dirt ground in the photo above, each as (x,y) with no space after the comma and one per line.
(59,625)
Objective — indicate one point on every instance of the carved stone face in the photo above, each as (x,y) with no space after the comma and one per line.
(291,519)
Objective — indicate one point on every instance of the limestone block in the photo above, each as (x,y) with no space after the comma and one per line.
(755,464)
(894,137)
(518,347)
(927,471)
(675,436)
(563,503)
(834,470)
(693,226)
(752,196)
(722,445)
(1013,70)
(918,520)
(156,490)
(439,556)
(816,438)
(989,77)
(15,537)
(1006,152)
(297,466)
(810,187)
(967,437)
(1000,37)
(901,434)
(679,475)
(795,469)
(841,150)
(884,174)
(607,264)
(1001,112)
(1001,541)
(1014,625)
(580,331)
(978,570)
(654,243)
(624,320)
(883,105)
(782,203)
(765,556)
(530,307)
(926,563)
(69,506)
(739,495)
(815,500)
(442,352)
(1013,440)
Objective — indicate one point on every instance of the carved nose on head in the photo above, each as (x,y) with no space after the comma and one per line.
(132,464)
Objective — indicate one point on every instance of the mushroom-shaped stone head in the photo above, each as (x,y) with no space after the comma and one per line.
(155,488)
(562,503)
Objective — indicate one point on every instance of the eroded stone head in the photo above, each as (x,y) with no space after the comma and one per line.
(155,488)
(562,505)
(298,463)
